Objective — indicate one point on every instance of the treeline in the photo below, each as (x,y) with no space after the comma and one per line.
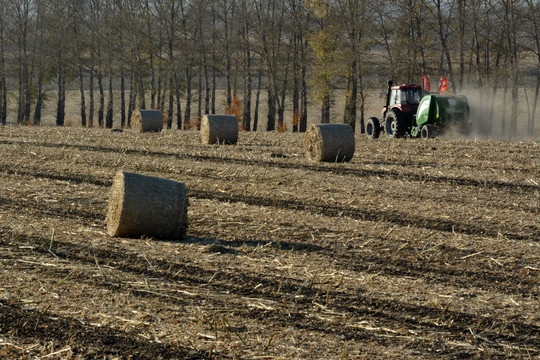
(173,55)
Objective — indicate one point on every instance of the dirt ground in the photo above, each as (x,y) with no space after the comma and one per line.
(413,250)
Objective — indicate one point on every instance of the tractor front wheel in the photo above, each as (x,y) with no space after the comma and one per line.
(427,132)
(373,128)
(395,126)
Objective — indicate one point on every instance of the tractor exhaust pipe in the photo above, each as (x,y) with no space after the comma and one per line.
(390,83)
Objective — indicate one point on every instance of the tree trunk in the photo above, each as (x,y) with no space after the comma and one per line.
(3,87)
(101,99)
(3,101)
(172,73)
(271,116)
(20,92)
(484,122)
(503,118)
(83,99)
(444,44)
(109,117)
(187,110)
(27,95)
(533,10)
(246,117)
(386,38)
(61,104)
(228,59)
(170,111)
(200,89)
(296,85)
(362,104)
(39,101)
(304,100)
(281,104)
(132,97)
(461,39)
(257,98)
(122,100)
(91,105)
(161,94)
(206,86)
(201,71)
(513,46)
(512,131)
(349,116)
(140,85)
(152,82)
(325,110)
(531,127)
(178,103)
(490,104)
(214,62)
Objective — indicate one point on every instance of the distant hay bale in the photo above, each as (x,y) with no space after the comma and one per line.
(147,120)
(221,129)
(329,142)
(146,205)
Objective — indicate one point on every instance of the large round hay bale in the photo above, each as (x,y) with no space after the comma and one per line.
(221,129)
(329,142)
(146,205)
(147,120)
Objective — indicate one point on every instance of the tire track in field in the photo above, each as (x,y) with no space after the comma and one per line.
(527,234)
(89,340)
(250,285)
(282,317)
(362,173)
(86,217)
(396,266)
(392,314)
(363,214)
(85,340)
(506,282)
(209,175)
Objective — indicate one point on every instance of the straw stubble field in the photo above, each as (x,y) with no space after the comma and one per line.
(414,250)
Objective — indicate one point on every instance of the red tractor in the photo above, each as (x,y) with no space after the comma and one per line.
(397,115)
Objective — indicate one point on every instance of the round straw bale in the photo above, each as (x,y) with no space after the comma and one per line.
(329,142)
(219,129)
(147,120)
(146,205)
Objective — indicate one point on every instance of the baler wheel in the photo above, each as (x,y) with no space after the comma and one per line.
(427,132)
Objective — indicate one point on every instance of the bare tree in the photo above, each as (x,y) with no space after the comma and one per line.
(247,58)
(3,87)
(533,12)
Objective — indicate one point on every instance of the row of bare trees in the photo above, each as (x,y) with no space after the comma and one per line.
(174,55)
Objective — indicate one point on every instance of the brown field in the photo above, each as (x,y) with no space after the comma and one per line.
(413,250)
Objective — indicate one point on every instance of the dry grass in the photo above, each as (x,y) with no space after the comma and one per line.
(413,250)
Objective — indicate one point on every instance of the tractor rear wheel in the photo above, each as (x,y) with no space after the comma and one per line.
(395,126)
(427,132)
(373,128)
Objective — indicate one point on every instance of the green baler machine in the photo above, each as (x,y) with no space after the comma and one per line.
(437,114)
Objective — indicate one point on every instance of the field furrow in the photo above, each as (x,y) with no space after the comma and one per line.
(414,250)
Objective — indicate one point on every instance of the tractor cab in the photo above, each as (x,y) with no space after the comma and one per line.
(404,98)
